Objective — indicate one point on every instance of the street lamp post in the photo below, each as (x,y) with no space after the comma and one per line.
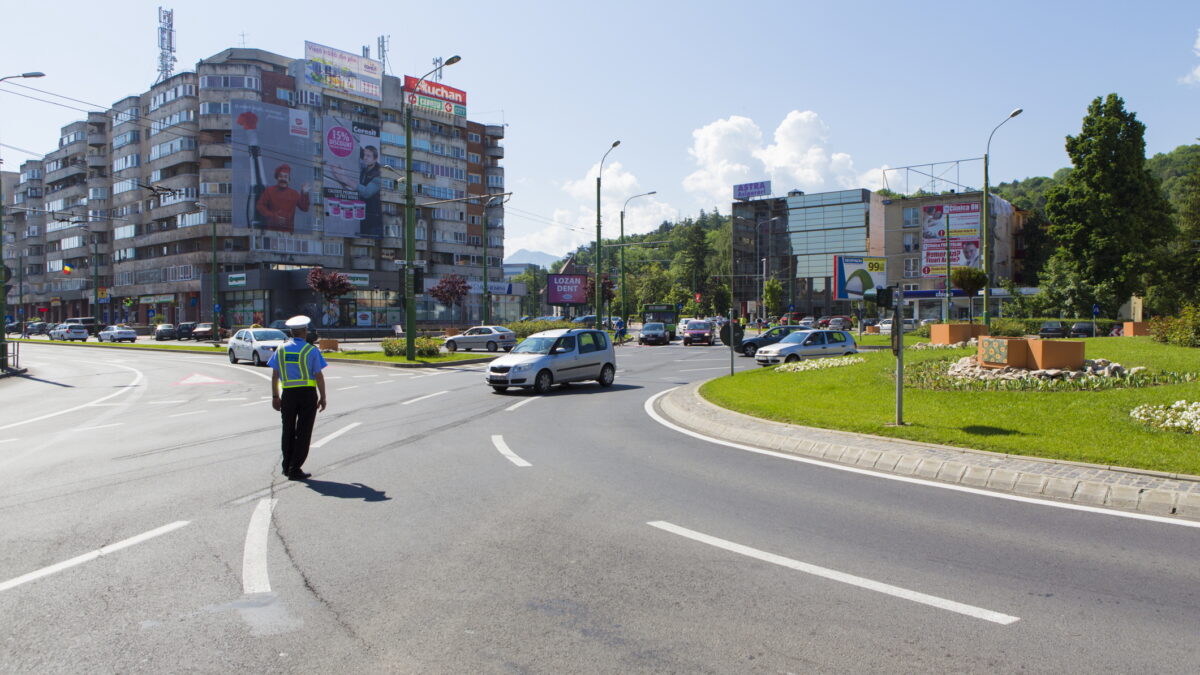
(487,295)
(599,289)
(4,281)
(624,297)
(987,233)
(410,223)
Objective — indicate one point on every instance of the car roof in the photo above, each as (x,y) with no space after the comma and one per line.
(559,332)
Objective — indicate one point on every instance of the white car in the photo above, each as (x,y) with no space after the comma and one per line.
(69,331)
(256,345)
(117,334)
(490,338)
(885,326)
(806,344)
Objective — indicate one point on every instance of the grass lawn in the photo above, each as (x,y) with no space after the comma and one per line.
(1093,427)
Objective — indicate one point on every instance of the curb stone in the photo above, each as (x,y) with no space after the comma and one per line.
(1150,492)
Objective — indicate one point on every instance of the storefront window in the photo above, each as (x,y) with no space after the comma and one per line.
(243,308)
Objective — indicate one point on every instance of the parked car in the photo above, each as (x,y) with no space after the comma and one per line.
(840,323)
(699,331)
(490,338)
(1053,329)
(555,357)
(255,345)
(753,344)
(183,331)
(204,331)
(885,326)
(164,331)
(69,331)
(654,333)
(807,344)
(39,328)
(1082,329)
(590,320)
(826,321)
(117,334)
(88,322)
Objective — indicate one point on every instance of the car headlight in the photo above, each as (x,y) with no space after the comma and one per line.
(520,368)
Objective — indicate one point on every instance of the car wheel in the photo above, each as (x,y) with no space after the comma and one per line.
(791,358)
(749,350)
(606,375)
(256,359)
(232,358)
(491,346)
(849,353)
(451,346)
(542,383)
(499,389)
(508,349)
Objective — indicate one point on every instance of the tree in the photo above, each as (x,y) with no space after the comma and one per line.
(330,286)
(450,291)
(607,291)
(773,296)
(1109,214)
(969,280)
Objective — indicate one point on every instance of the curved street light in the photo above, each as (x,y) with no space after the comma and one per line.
(4,281)
(599,290)
(986,244)
(624,306)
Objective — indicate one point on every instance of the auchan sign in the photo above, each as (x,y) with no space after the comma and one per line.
(435,90)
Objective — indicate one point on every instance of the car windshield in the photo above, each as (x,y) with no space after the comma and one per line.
(165,326)
(699,325)
(653,326)
(269,334)
(535,345)
(797,337)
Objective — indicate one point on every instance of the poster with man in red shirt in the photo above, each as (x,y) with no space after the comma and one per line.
(272,153)
(278,203)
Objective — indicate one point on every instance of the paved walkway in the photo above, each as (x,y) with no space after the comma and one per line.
(1149,492)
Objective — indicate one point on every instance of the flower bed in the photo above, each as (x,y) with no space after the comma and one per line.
(1179,416)
(818,364)
(966,374)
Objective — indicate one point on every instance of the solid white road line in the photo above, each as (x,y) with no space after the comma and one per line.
(841,577)
(335,434)
(693,370)
(90,556)
(126,389)
(216,400)
(185,414)
(649,408)
(254,556)
(102,426)
(521,403)
(498,441)
(422,398)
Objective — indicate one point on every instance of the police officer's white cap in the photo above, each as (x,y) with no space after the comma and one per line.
(298,321)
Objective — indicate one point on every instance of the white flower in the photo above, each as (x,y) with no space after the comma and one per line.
(1179,416)
(817,364)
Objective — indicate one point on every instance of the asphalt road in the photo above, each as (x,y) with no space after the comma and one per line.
(451,529)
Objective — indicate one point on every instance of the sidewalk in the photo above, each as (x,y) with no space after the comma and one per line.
(1150,492)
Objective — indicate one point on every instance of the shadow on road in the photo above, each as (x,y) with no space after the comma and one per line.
(979,430)
(38,379)
(347,490)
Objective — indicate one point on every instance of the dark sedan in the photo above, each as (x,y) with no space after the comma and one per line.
(1082,329)
(165,331)
(1053,329)
(752,345)
(698,332)
(183,331)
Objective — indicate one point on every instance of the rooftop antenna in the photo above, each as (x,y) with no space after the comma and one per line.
(366,51)
(166,43)
(437,74)
(382,48)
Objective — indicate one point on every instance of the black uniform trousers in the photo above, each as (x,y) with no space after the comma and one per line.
(299,410)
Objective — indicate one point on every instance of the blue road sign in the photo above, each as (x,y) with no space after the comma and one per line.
(1095,310)
(149,312)
(217,307)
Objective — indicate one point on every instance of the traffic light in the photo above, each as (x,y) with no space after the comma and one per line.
(882,297)
(418,280)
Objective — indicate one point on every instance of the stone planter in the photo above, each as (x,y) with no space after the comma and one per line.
(327,345)
(873,329)
(1056,354)
(998,352)
(1132,328)
(950,333)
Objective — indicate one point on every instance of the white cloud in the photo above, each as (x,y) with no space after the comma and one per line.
(731,151)
(1194,76)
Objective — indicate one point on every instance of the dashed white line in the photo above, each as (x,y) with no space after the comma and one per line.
(102,426)
(498,441)
(422,398)
(9,440)
(217,400)
(191,412)
(335,434)
(693,370)
(386,382)
(255,578)
(353,386)
(92,555)
(247,405)
(359,376)
(841,577)
(521,403)
(166,402)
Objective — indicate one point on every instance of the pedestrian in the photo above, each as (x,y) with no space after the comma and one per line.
(620,330)
(298,393)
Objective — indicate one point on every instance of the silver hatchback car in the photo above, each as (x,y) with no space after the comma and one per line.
(807,344)
(490,338)
(555,357)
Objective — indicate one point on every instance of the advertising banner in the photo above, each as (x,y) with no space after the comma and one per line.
(353,206)
(566,289)
(272,156)
(964,220)
(852,275)
(343,72)
(435,90)
(964,252)
(749,190)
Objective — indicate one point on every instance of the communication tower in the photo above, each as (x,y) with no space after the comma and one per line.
(166,43)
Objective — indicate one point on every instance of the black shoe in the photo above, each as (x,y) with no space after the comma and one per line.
(297,474)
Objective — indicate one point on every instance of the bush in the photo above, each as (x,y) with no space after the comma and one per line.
(1181,331)
(1010,327)
(524,329)
(425,346)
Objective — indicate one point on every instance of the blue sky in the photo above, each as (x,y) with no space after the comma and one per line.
(811,95)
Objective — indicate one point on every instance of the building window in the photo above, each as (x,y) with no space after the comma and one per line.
(474,158)
(912,268)
(912,242)
(473,137)
(912,216)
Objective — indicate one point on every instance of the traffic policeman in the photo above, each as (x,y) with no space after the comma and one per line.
(297,392)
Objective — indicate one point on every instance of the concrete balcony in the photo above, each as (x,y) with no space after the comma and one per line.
(494,151)
(97,161)
(494,130)
(66,172)
(97,139)
(216,150)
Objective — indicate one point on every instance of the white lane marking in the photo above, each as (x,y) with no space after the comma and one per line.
(695,360)
(693,370)
(386,382)
(521,403)
(102,426)
(335,434)
(216,400)
(173,402)
(353,386)
(254,556)
(422,398)
(185,414)
(92,555)
(398,375)
(649,408)
(247,405)
(137,380)
(333,377)
(498,441)
(841,577)
(359,376)
(9,440)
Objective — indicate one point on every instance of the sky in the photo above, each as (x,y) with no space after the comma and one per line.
(811,95)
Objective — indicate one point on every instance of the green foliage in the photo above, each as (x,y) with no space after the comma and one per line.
(970,280)
(1009,327)
(425,346)
(773,297)
(524,329)
(1181,331)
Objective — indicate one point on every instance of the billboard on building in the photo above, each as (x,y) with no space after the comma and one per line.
(566,289)
(435,96)
(852,275)
(352,179)
(750,190)
(272,167)
(964,252)
(343,72)
(962,220)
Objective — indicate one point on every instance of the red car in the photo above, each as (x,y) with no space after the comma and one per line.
(697,332)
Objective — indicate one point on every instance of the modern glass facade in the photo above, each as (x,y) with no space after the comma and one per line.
(823,225)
